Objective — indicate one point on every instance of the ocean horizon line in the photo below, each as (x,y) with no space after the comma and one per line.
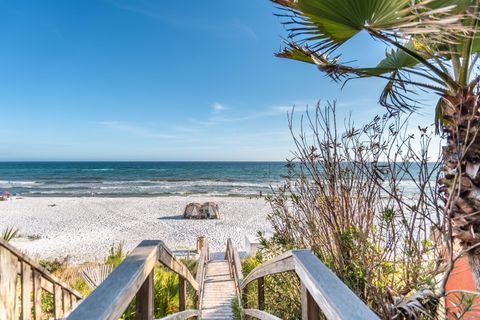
(146,161)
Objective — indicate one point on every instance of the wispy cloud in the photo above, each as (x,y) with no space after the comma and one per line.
(137,130)
(151,10)
(217,107)
(193,129)
(237,24)
(144,9)
(357,103)
(218,116)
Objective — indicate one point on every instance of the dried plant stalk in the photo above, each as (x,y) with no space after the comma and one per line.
(345,198)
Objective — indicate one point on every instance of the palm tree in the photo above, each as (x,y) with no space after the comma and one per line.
(431,45)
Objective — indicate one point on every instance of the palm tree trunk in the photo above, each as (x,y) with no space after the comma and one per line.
(460,184)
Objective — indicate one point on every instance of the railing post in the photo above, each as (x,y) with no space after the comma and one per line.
(58,301)
(182,293)
(310,309)
(27,289)
(144,300)
(200,243)
(261,293)
(37,295)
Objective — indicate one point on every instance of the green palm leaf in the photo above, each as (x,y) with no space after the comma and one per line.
(424,39)
(390,67)
(327,24)
(460,5)
(399,59)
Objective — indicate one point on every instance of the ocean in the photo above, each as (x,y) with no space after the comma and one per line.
(110,179)
(140,178)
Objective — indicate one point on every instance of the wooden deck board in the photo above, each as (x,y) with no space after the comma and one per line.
(219,290)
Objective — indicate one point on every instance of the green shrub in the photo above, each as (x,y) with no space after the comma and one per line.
(236,309)
(251,263)
(116,254)
(166,292)
(81,286)
(165,295)
(47,303)
(282,297)
(55,266)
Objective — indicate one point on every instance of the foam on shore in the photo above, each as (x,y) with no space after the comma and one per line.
(85,228)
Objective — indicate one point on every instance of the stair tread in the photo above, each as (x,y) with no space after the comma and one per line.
(219,290)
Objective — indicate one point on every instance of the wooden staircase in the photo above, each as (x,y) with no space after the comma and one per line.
(219,290)
(217,283)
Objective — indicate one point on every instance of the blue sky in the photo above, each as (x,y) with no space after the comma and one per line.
(159,80)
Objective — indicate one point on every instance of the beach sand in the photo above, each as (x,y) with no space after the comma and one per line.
(85,228)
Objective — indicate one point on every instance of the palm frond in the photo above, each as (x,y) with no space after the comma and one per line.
(397,95)
(295,52)
(460,5)
(420,305)
(399,59)
(427,42)
(326,24)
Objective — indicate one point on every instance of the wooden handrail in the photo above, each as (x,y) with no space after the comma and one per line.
(182,315)
(233,258)
(132,278)
(279,264)
(201,271)
(235,266)
(168,259)
(45,273)
(33,279)
(259,314)
(321,288)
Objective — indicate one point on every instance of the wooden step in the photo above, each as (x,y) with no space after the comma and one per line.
(219,290)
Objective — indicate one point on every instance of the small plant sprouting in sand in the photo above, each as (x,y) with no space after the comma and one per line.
(33,237)
(116,254)
(9,234)
(56,266)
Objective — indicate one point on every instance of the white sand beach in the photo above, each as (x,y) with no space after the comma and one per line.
(84,228)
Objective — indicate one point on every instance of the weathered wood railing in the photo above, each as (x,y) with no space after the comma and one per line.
(321,289)
(133,278)
(202,247)
(235,264)
(34,281)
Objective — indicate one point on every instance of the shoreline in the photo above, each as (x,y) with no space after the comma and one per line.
(140,195)
(84,228)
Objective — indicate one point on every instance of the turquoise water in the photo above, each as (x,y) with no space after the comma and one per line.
(140,178)
(147,178)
